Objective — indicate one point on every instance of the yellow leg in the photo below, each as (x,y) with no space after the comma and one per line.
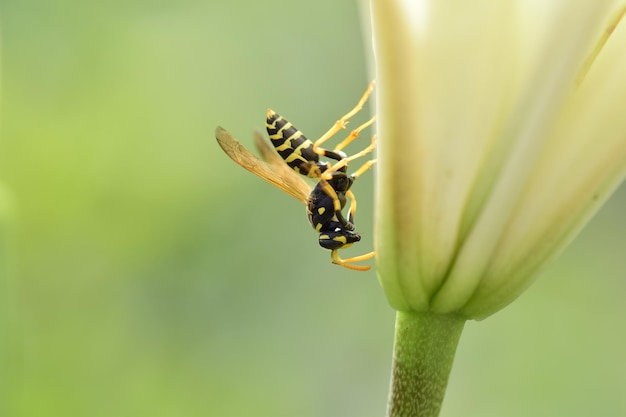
(342,122)
(344,162)
(346,263)
(363,168)
(349,193)
(352,206)
(354,134)
(330,191)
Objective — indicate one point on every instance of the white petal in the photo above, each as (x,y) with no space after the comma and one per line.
(485,260)
(583,161)
(473,100)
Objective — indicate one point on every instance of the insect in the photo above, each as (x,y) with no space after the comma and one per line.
(292,154)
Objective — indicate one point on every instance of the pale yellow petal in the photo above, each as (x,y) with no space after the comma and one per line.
(472,99)
(583,161)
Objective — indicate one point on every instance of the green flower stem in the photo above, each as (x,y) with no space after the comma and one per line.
(423,353)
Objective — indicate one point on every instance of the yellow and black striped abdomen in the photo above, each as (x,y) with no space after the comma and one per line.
(292,145)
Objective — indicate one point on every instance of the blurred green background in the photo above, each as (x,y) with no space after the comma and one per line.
(145,274)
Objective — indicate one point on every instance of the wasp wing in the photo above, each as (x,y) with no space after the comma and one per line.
(274,170)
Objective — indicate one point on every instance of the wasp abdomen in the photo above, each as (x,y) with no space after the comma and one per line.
(292,145)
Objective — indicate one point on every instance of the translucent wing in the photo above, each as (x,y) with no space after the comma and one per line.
(274,170)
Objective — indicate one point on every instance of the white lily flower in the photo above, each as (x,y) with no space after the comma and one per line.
(502,130)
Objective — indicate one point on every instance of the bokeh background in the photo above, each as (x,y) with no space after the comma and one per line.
(145,274)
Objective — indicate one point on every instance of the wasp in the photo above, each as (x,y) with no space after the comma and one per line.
(290,154)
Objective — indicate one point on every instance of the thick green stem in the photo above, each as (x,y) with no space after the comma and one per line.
(423,353)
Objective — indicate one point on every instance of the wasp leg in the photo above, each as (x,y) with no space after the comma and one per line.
(349,193)
(344,162)
(352,210)
(347,263)
(330,191)
(340,156)
(363,168)
(354,134)
(342,122)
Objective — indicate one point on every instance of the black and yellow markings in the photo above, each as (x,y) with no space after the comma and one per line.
(295,154)
(295,149)
(299,152)
(341,240)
